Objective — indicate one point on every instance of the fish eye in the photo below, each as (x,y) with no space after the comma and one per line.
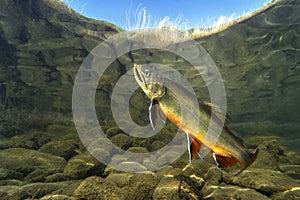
(147,73)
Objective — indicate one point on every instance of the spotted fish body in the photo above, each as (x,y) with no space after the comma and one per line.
(178,105)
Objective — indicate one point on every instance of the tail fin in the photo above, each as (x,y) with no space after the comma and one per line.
(252,157)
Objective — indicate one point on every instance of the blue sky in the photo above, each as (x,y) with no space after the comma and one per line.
(193,12)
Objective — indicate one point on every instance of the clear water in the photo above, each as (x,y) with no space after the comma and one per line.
(43,46)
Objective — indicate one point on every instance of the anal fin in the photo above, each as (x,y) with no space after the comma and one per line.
(224,161)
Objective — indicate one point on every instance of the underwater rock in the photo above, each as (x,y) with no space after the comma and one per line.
(82,166)
(38,190)
(199,167)
(101,148)
(95,188)
(102,153)
(293,193)
(14,182)
(121,140)
(29,141)
(57,197)
(166,158)
(62,132)
(253,141)
(90,42)
(174,189)
(61,148)
(26,161)
(12,192)
(57,177)
(10,174)
(142,184)
(138,149)
(265,181)
(42,46)
(100,143)
(213,176)
(110,132)
(231,192)
(121,179)
(38,175)
(156,145)
(10,130)
(293,157)
(167,170)
(131,166)
(291,170)
(150,163)
(116,159)
(269,152)
(118,186)
(69,189)
(167,189)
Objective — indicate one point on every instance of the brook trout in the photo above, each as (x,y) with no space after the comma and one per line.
(227,150)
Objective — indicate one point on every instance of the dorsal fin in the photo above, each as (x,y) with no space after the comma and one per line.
(219,112)
(237,139)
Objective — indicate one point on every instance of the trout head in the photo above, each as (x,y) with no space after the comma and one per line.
(149,80)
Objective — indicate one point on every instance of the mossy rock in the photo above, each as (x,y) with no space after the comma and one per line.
(82,166)
(62,131)
(62,148)
(110,132)
(33,140)
(12,192)
(10,174)
(26,161)
(121,140)
(38,190)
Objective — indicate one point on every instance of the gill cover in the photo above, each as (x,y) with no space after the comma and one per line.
(149,80)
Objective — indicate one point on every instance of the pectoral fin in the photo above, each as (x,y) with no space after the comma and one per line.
(224,161)
(154,113)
